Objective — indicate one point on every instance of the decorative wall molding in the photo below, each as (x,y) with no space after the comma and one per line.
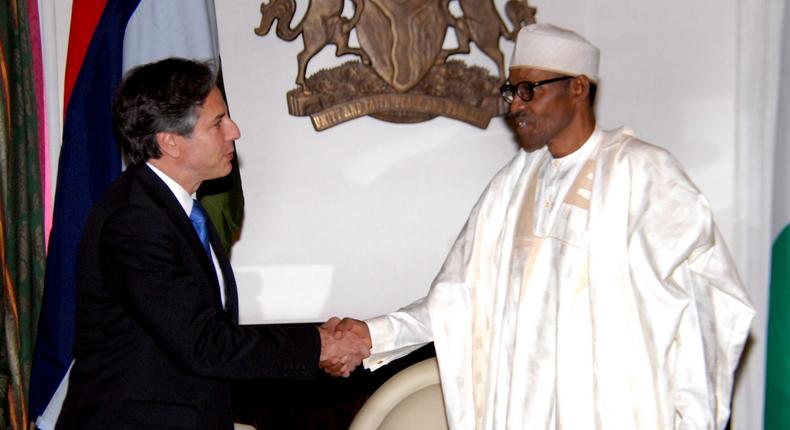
(404,75)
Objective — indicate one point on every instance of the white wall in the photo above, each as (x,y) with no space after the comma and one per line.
(356,220)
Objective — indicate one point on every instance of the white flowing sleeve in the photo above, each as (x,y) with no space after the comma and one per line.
(673,239)
(407,329)
(398,333)
(716,322)
(444,314)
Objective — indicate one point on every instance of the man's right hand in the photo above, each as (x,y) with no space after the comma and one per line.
(341,351)
(357,327)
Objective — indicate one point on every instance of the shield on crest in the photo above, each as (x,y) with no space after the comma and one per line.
(403,38)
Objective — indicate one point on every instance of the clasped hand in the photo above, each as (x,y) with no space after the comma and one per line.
(344,344)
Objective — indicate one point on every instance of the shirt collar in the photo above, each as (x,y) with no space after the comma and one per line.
(183,197)
(586,149)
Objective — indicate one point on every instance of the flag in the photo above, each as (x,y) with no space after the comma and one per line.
(108,37)
(777,366)
(89,162)
(21,202)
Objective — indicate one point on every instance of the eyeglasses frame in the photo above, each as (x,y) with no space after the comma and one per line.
(509,91)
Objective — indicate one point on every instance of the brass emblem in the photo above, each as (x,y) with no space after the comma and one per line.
(404,74)
(403,37)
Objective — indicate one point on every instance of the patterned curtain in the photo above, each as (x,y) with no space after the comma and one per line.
(21,204)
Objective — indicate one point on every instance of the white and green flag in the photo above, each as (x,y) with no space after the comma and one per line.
(777,370)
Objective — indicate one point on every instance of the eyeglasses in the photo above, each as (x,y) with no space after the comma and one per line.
(525,89)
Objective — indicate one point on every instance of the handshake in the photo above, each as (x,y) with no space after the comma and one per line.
(344,344)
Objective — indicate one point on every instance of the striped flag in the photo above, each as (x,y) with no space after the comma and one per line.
(89,161)
(777,366)
(107,38)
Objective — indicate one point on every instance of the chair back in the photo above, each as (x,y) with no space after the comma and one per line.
(410,400)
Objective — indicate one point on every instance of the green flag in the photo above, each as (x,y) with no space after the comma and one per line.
(223,200)
(777,365)
(777,381)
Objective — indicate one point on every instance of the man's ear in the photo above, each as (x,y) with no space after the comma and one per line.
(580,87)
(168,144)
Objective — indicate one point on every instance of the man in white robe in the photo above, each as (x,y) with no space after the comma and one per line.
(590,287)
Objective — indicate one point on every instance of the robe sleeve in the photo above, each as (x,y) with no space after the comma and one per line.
(401,332)
(398,333)
(711,335)
(673,239)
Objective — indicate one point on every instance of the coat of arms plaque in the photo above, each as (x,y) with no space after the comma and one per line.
(404,74)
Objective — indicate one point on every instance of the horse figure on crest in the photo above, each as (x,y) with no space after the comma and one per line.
(322,24)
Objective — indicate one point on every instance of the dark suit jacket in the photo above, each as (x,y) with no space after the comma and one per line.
(154,348)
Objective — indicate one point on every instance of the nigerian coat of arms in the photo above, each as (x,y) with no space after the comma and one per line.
(403,73)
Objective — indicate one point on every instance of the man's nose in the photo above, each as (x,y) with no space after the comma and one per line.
(517,104)
(233,132)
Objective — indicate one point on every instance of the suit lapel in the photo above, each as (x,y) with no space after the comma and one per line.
(164,199)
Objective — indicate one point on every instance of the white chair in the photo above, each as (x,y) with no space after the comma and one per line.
(410,400)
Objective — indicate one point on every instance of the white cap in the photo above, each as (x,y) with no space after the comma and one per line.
(548,47)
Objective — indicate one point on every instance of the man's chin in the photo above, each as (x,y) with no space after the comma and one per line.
(529,145)
(219,174)
(227,171)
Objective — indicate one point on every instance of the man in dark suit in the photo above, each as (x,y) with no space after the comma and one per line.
(157,315)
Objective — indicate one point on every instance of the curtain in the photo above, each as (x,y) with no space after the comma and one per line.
(21,205)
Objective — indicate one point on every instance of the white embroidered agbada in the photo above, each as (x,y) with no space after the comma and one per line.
(621,310)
